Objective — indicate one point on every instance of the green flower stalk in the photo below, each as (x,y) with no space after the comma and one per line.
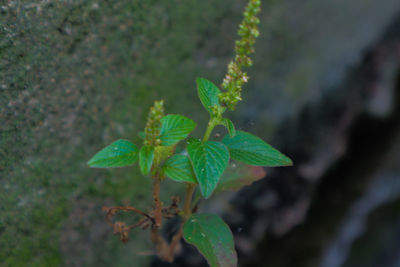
(153,125)
(235,77)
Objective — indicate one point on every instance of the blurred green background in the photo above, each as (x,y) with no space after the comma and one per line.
(76,75)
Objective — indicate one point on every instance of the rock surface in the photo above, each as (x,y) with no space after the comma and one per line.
(76,75)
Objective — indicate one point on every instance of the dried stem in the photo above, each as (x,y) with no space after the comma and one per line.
(160,244)
(120,228)
(111,211)
(174,242)
(157,201)
(187,211)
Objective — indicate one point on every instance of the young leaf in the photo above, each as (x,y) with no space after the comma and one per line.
(179,168)
(229,126)
(146,157)
(119,154)
(252,150)
(238,175)
(208,93)
(175,128)
(209,160)
(213,238)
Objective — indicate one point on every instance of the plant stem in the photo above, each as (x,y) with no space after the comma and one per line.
(190,190)
(158,203)
(159,242)
(112,211)
(210,127)
(187,206)
(174,242)
(187,211)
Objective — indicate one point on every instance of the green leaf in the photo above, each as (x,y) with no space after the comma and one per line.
(175,128)
(146,157)
(179,168)
(238,175)
(252,150)
(119,154)
(213,238)
(209,160)
(229,126)
(208,93)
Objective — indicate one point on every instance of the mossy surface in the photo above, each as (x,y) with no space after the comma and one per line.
(76,75)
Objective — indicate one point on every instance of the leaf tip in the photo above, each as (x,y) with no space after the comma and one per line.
(91,163)
(287,162)
(206,195)
(199,79)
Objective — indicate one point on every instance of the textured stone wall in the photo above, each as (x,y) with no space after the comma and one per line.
(76,75)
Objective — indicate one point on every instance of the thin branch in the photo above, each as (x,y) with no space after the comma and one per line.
(187,211)
(187,208)
(111,211)
(158,203)
(160,244)
(174,242)
(142,223)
